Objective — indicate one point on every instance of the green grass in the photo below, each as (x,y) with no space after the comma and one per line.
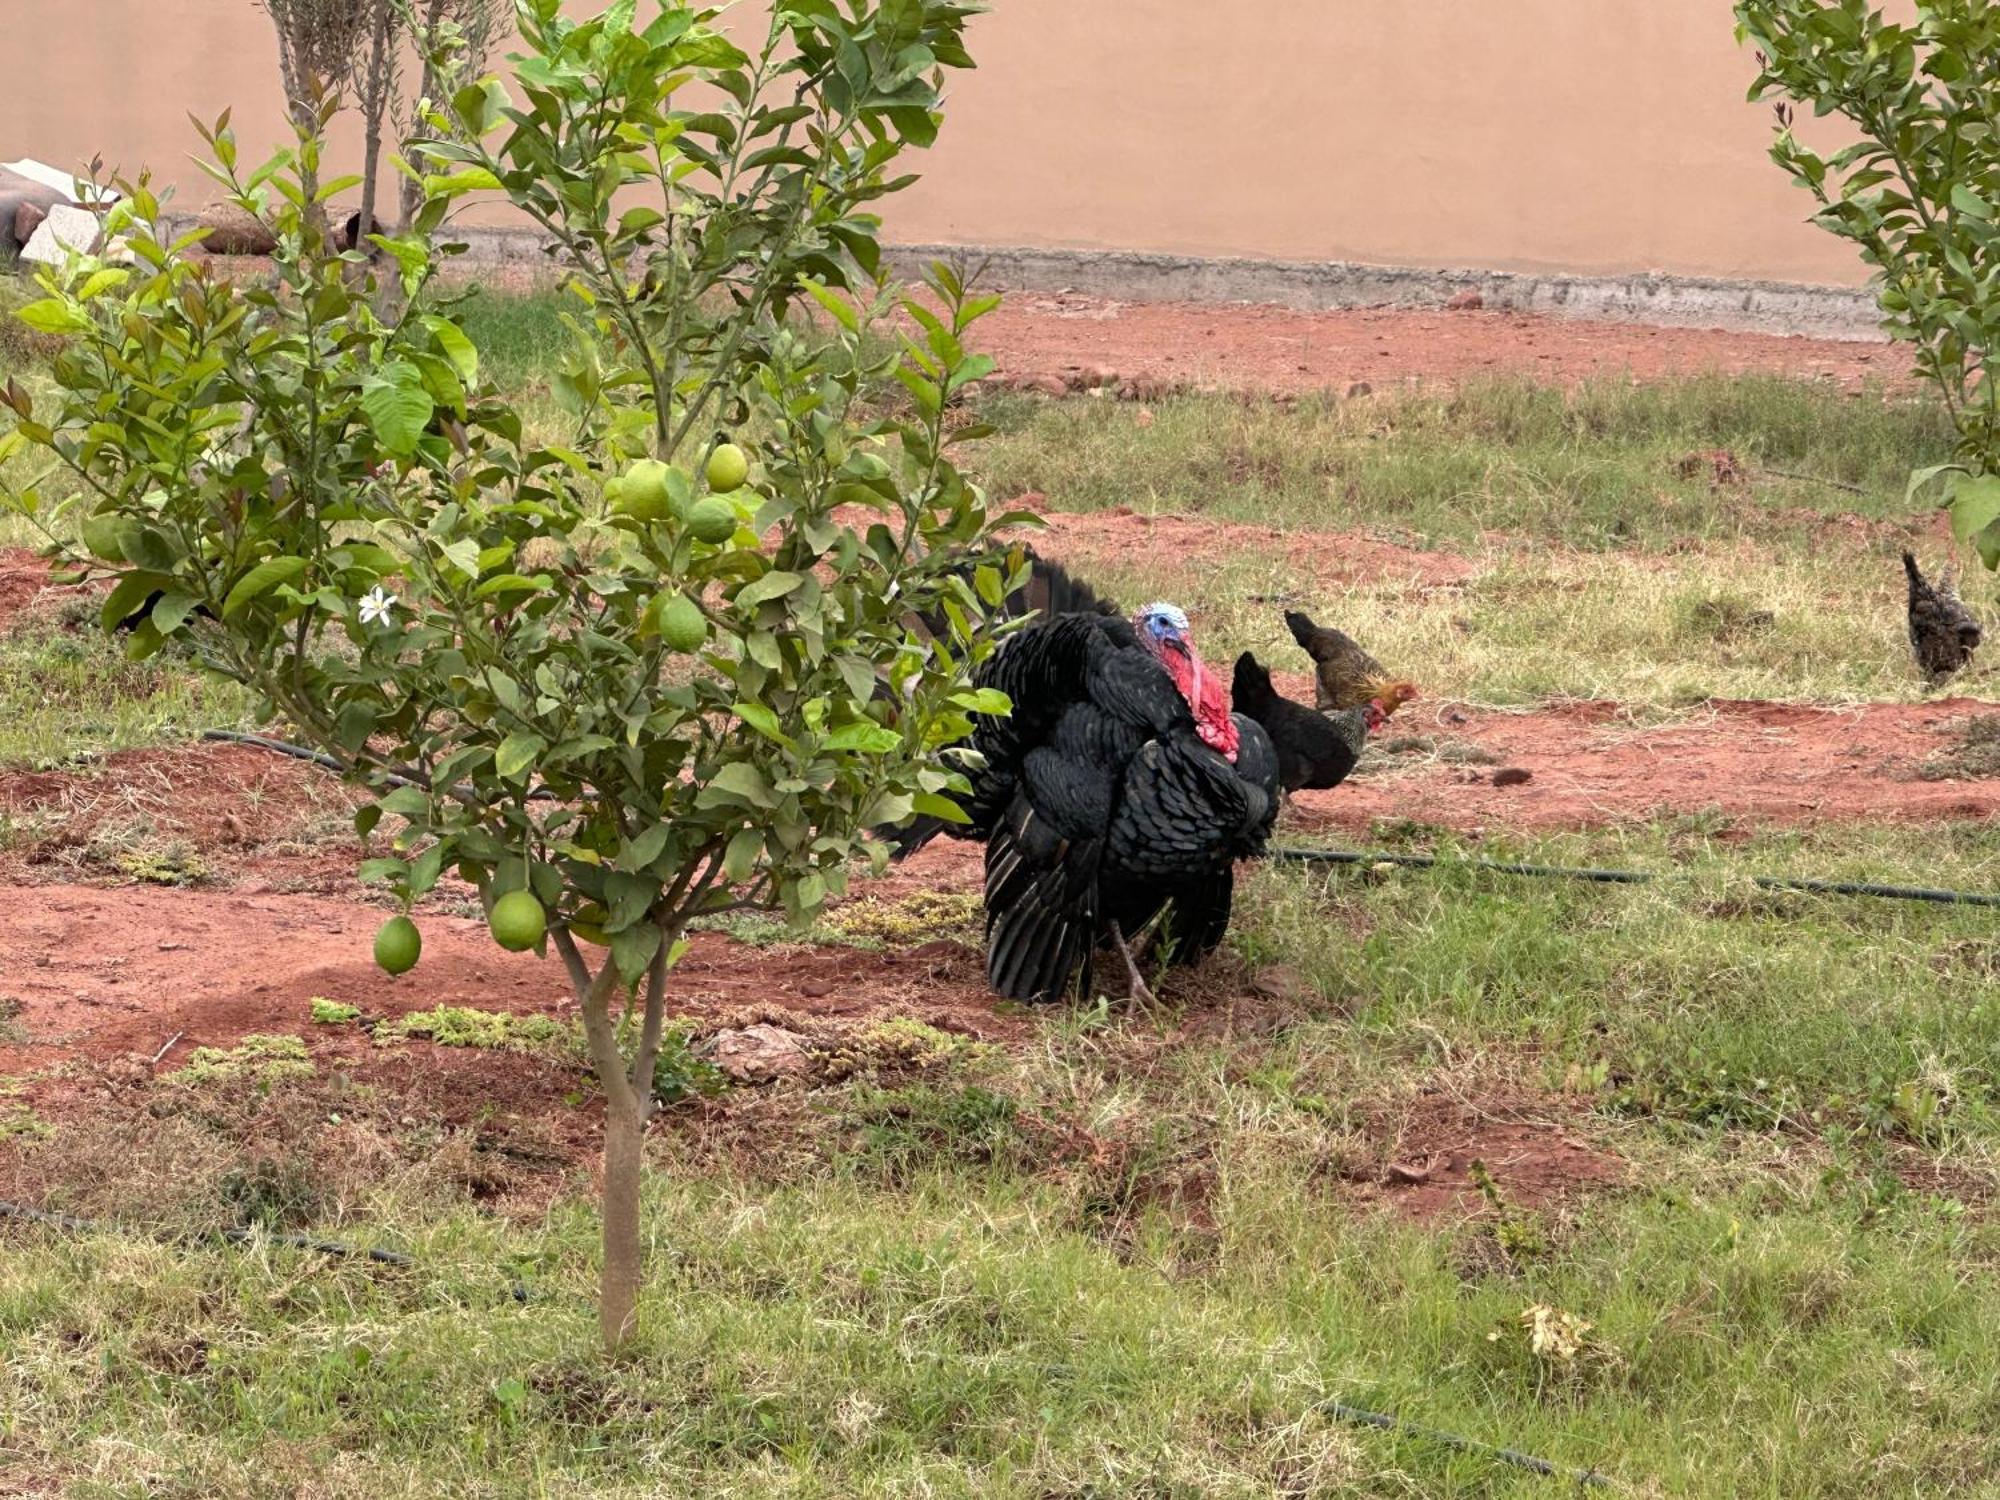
(1594,468)
(845,1341)
(67,692)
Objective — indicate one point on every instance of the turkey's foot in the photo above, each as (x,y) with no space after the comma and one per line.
(1140,994)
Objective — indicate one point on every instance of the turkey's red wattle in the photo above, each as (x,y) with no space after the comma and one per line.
(1207,698)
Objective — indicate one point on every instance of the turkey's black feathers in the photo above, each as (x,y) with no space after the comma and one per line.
(1099,803)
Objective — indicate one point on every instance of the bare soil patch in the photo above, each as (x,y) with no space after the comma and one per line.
(229,801)
(24,584)
(1534,1154)
(1275,349)
(1589,765)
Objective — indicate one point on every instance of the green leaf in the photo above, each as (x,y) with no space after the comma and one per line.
(398,407)
(739,862)
(147,547)
(52,315)
(889,810)
(1975,505)
(172,610)
(454,346)
(102,281)
(508,583)
(773,585)
(739,781)
(1923,477)
(938,807)
(761,719)
(260,580)
(837,306)
(463,555)
(647,847)
(516,754)
(466,180)
(632,950)
(868,738)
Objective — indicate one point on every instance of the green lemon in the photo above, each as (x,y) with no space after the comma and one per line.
(398,945)
(518,921)
(644,493)
(683,627)
(712,520)
(727,469)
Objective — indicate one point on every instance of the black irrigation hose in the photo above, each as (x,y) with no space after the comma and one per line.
(1634,877)
(1388,1422)
(334,763)
(1338,856)
(71,1224)
(74,1225)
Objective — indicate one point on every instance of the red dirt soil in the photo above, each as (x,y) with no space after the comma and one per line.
(1534,1156)
(1767,763)
(1235,347)
(1256,347)
(24,581)
(114,971)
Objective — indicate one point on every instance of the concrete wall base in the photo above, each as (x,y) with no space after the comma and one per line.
(1667,301)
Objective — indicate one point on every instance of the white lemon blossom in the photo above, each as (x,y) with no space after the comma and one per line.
(377,606)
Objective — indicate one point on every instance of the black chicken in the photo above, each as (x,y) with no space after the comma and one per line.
(1315,749)
(1942,631)
(1119,793)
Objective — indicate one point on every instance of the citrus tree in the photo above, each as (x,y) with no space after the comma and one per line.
(1917,191)
(649,660)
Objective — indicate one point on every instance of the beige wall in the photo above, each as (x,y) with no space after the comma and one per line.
(1589,136)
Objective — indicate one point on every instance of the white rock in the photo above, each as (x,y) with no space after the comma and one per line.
(64,230)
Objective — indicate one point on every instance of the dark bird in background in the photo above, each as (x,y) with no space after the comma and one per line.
(1348,677)
(1943,633)
(1315,749)
(1118,794)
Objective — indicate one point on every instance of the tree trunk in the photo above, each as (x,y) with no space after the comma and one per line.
(624,1257)
(375,86)
(628,1105)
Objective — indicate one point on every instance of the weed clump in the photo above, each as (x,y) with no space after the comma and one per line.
(259,1059)
(488,1030)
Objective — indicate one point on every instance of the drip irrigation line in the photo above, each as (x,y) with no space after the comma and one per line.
(1389,1422)
(1634,877)
(71,1224)
(1799,884)
(405,777)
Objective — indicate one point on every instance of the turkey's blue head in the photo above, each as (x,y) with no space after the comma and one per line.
(1163,630)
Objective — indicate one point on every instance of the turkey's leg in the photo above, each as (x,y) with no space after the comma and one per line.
(1140,992)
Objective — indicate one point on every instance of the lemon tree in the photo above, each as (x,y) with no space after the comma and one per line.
(617,682)
(1915,186)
